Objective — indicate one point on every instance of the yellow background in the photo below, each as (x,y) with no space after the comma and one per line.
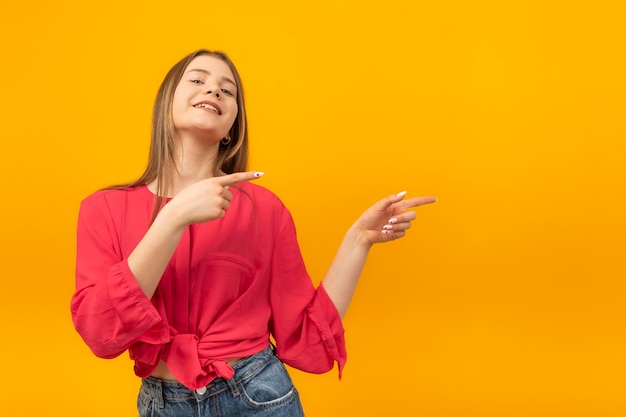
(507,297)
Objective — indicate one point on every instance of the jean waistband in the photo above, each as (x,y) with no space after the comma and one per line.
(173,390)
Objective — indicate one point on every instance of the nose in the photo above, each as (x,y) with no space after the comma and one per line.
(217,92)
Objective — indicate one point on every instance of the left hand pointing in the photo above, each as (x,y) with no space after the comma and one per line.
(389,218)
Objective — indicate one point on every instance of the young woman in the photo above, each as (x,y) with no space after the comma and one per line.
(192,267)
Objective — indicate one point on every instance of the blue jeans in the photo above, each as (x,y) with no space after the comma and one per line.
(261,387)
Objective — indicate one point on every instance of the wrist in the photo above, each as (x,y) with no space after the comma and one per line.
(358,238)
(171,218)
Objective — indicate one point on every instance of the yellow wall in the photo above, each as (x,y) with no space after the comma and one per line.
(507,297)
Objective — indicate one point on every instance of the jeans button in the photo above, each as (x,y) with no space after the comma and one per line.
(201,390)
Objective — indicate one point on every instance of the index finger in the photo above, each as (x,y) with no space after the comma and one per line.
(417,201)
(238,177)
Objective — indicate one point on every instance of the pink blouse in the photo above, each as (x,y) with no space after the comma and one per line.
(230,283)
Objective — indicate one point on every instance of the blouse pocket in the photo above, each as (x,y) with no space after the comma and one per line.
(227,273)
(223,291)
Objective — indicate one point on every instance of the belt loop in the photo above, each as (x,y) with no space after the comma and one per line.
(233,387)
(159,394)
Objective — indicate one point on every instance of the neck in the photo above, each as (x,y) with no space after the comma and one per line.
(195,161)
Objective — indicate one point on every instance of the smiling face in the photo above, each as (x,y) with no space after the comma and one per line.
(205,99)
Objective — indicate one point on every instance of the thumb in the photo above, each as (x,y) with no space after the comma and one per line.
(236,177)
(385,203)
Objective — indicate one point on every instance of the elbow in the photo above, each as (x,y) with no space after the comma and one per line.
(106,350)
(99,342)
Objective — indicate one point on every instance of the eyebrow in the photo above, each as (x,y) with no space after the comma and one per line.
(209,73)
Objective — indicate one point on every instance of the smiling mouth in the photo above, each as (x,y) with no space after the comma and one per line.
(208,107)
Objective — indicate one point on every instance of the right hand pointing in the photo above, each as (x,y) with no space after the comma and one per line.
(208,199)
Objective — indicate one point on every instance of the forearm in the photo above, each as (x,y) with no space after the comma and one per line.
(343,275)
(151,256)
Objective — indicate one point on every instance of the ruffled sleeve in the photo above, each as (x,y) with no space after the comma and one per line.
(305,323)
(109,309)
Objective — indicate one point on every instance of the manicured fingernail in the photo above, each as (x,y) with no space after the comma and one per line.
(401,194)
(387,227)
(393,220)
(258,174)
(386,232)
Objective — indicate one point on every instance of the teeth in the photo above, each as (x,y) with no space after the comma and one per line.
(207,106)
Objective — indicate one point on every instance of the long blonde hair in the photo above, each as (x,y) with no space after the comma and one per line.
(232,157)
